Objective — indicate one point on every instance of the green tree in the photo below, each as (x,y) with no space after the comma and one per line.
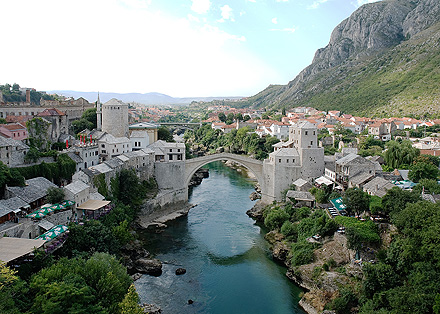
(163,133)
(239,117)
(356,201)
(222,117)
(55,195)
(400,154)
(130,303)
(396,199)
(276,218)
(423,170)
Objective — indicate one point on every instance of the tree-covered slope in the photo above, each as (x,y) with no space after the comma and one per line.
(383,59)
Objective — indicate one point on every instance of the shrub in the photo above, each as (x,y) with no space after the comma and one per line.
(302,253)
(276,218)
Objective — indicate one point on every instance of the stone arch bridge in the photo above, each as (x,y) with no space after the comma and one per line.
(253,165)
(173,177)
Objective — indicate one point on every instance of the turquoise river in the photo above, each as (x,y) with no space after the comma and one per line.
(228,262)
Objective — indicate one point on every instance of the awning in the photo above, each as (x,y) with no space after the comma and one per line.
(12,248)
(53,233)
(93,205)
(338,203)
(323,180)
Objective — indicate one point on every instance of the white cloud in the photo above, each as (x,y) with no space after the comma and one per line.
(125,50)
(282,0)
(226,12)
(193,18)
(362,2)
(135,4)
(275,20)
(288,30)
(316,4)
(200,6)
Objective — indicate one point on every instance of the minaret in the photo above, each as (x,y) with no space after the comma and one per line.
(98,114)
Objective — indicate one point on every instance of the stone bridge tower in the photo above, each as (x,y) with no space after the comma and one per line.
(115,118)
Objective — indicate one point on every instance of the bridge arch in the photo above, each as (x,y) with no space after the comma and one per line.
(253,165)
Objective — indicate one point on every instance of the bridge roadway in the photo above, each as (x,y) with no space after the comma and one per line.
(192,165)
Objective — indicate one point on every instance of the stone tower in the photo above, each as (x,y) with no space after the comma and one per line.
(98,115)
(304,136)
(115,118)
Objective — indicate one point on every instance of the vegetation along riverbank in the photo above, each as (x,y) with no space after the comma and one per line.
(358,264)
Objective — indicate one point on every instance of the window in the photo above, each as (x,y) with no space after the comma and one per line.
(178,150)
(103,145)
(171,150)
(311,142)
(279,160)
(171,157)
(287,160)
(307,132)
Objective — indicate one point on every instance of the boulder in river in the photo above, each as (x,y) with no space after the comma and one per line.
(180,271)
(149,266)
(151,308)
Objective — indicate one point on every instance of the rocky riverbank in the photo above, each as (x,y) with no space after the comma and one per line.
(321,279)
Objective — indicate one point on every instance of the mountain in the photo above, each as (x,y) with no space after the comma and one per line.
(384,59)
(147,98)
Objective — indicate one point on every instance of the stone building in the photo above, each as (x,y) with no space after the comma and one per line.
(77,191)
(85,155)
(12,152)
(115,118)
(58,123)
(33,193)
(142,134)
(16,131)
(300,157)
(168,152)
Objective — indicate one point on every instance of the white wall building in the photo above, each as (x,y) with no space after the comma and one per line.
(111,146)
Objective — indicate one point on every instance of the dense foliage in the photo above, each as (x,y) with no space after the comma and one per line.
(407,279)
(62,169)
(241,141)
(10,177)
(88,121)
(13,94)
(298,224)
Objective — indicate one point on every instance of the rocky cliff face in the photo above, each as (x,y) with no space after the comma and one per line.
(369,31)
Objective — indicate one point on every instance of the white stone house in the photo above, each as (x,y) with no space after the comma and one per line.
(142,134)
(85,155)
(110,146)
(168,152)
(77,191)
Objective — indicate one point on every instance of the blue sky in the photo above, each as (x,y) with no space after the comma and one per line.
(181,48)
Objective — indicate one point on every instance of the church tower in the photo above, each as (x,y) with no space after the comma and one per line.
(98,114)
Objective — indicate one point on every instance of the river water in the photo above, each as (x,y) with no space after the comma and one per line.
(228,263)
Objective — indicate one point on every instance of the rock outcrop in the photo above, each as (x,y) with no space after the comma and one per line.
(149,266)
(370,31)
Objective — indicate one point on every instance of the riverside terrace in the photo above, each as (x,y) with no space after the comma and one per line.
(15,250)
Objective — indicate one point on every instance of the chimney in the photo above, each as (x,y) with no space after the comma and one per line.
(28,96)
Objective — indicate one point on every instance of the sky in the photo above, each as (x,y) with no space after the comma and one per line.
(182,48)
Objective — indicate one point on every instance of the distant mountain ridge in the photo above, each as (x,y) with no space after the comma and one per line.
(357,71)
(147,98)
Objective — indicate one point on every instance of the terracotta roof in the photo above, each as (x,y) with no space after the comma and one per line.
(51,112)
(13,126)
(20,119)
